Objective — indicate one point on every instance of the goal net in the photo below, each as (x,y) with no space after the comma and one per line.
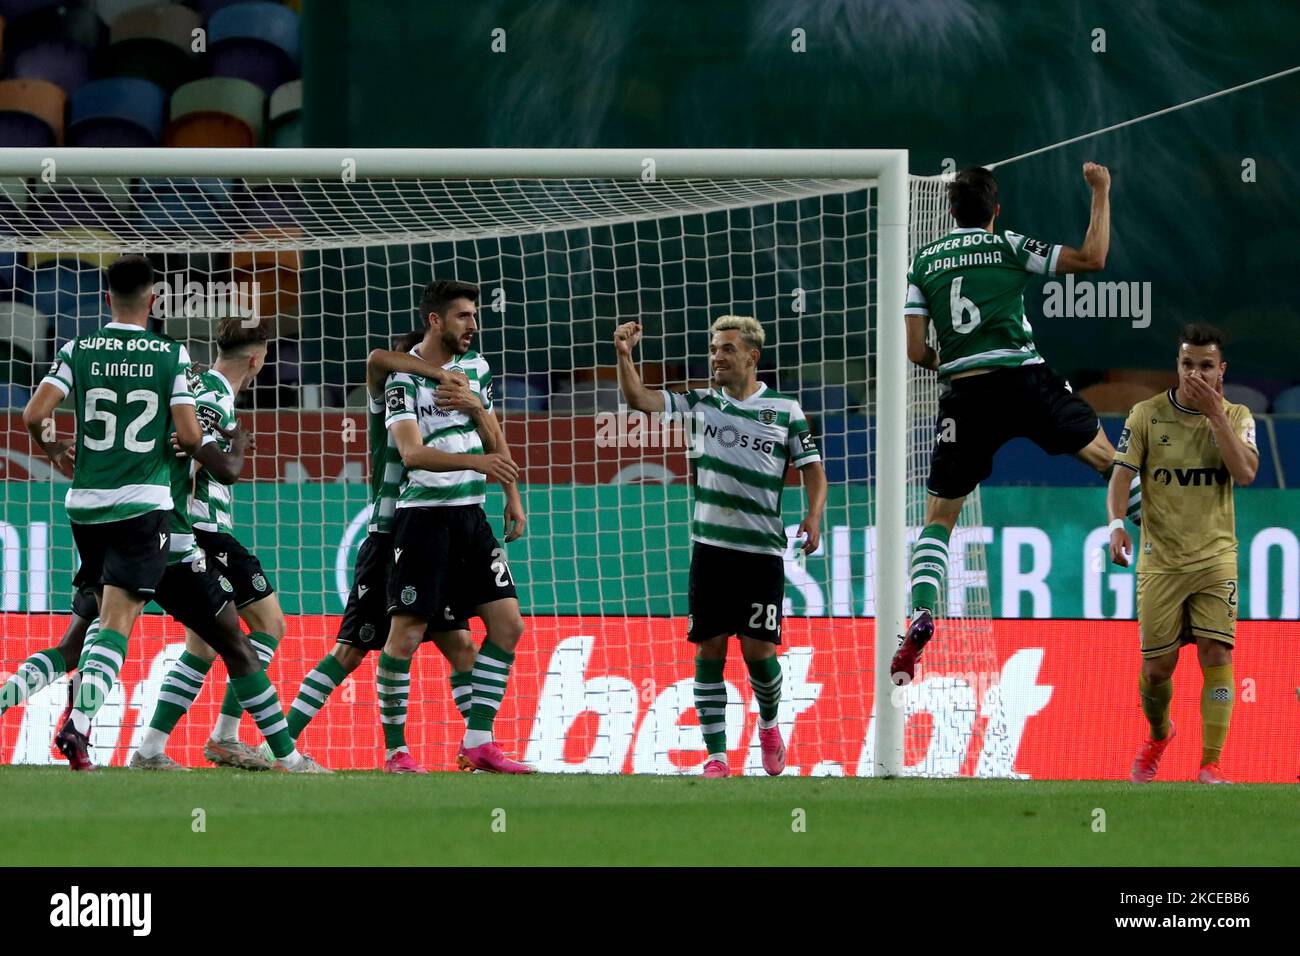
(335,266)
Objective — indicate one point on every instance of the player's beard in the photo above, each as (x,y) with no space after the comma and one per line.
(452,345)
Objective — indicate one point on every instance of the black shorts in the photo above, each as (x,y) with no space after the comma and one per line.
(194,595)
(981,413)
(130,554)
(238,565)
(735,592)
(365,619)
(446,561)
(84,601)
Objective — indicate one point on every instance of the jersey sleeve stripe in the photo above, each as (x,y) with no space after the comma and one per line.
(57,382)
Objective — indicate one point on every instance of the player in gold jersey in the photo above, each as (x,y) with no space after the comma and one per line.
(1191,448)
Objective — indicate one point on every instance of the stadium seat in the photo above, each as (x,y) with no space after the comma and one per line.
(110,10)
(154,42)
(256,41)
(14,396)
(277,274)
(26,334)
(201,204)
(72,296)
(516,393)
(60,61)
(31,24)
(846,447)
(217,111)
(1286,430)
(1115,397)
(208,8)
(1252,398)
(1288,402)
(119,111)
(1156,380)
(826,399)
(31,113)
(284,115)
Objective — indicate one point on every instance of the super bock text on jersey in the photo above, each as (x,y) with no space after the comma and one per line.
(743,449)
(446,561)
(970,285)
(122,381)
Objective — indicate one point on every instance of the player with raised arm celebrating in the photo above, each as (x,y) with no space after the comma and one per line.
(1191,447)
(749,435)
(447,564)
(970,284)
(365,619)
(129,388)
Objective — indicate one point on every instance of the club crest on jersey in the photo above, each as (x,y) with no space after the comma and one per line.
(367,632)
(767,416)
(408,595)
(259,582)
(225,585)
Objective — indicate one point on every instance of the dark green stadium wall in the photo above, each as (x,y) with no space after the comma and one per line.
(972,81)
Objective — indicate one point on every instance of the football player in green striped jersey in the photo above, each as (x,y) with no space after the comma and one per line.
(129,391)
(748,436)
(365,619)
(241,354)
(447,563)
(970,286)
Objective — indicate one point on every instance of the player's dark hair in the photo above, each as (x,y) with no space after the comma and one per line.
(406,341)
(1201,333)
(973,197)
(438,295)
(130,278)
(233,335)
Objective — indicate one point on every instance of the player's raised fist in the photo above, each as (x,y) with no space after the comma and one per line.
(1096,175)
(626,336)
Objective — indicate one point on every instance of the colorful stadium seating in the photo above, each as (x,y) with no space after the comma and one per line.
(118,111)
(255,41)
(31,113)
(216,111)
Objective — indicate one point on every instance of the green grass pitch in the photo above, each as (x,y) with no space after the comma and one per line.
(50,816)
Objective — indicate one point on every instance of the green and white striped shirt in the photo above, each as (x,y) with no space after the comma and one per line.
(743,450)
(215,406)
(123,381)
(411,398)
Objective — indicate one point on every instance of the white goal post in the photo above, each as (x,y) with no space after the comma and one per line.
(607,186)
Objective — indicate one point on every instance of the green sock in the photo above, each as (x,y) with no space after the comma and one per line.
(36,673)
(488,684)
(1155,704)
(765,681)
(227,727)
(179,689)
(393,679)
(462,691)
(929,567)
(258,697)
(102,661)
(313,692)
(711,704)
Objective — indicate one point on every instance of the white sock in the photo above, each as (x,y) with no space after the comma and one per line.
(291,761)
(722,757)
(227,728)
(390,754)
(81,722)
(766,724)
(153,742)
(477,738)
